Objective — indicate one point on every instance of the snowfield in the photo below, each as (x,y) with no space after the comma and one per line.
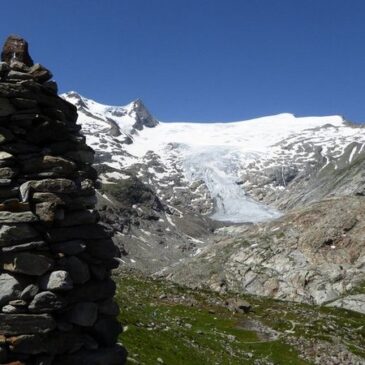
(217,153)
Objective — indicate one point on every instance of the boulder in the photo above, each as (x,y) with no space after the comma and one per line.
(26,263)
(13,234)
(16,324)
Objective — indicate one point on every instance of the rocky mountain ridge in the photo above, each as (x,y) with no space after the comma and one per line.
(194,178)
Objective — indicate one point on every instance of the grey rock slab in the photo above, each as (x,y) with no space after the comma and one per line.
(10,288)
(17,217)
(45,302)
(36,245)
(13,234)
(354,303)
(26,263)
(16,324)
(59,280)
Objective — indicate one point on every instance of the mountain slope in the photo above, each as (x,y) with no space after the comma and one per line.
(289,183)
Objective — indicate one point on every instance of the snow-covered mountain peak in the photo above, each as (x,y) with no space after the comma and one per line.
(237,162)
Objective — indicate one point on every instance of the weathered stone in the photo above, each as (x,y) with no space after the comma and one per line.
(16,75)
(16,324)
(59,280)
(46,302)
(34,245)
(50,198)
(83,314)
(106,330)
(10,288)
(6,108)
(5,155)
(48,212)
(40,73)
(7,172)
(47,185)
(78,270)
(50,163)
(17,217)
(29,292)
(11,309)
(26,263)
(68,247)
(14,234)
(16,48)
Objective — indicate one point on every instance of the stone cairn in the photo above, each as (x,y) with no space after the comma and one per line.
(56,292)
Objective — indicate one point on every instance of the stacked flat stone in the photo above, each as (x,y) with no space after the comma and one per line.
(56,292)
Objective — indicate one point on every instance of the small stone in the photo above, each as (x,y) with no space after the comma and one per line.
(29,292)
(17,217)
(40,73)
(10,288)
(45,302)
(11,309)
(56,280)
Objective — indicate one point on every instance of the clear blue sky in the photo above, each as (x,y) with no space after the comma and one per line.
(202,60)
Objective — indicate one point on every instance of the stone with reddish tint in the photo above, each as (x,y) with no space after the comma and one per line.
(16,48)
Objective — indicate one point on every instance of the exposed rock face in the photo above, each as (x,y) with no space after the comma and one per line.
(313,255)
(55,259)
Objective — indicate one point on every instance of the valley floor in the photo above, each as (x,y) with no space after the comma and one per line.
(168,324)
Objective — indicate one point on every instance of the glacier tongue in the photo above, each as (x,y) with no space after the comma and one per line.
(217,166)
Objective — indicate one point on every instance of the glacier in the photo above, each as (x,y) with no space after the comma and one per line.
(218,167)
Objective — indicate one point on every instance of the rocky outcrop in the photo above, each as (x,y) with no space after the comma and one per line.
(314,255)
(55,259)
